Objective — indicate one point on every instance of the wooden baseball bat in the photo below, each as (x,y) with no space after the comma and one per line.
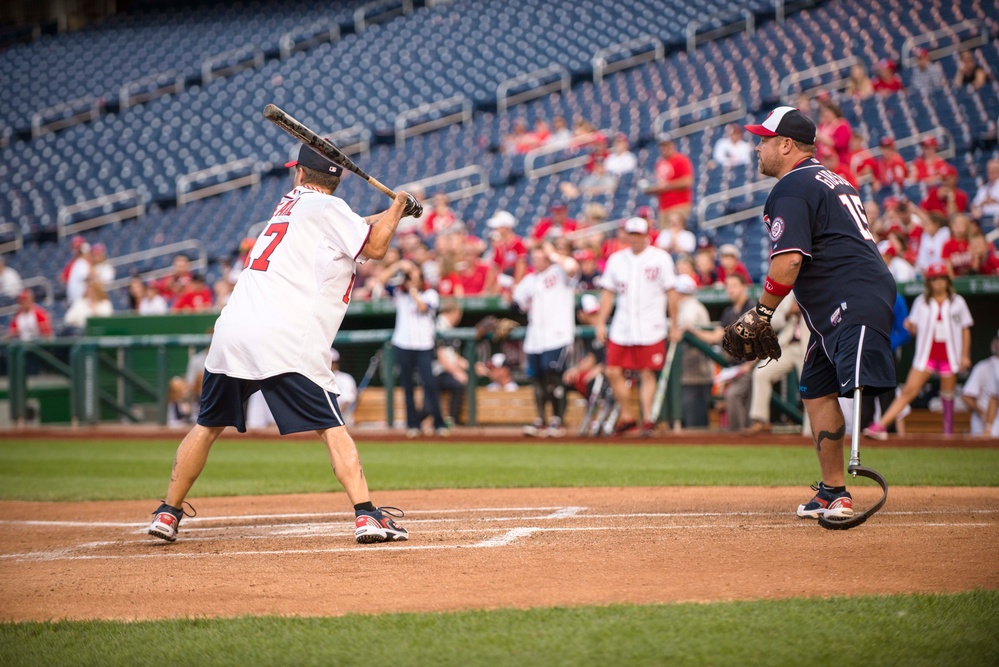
(321,145)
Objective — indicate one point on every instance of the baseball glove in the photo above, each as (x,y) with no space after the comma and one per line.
(503,329)
(751,337)
(485,326)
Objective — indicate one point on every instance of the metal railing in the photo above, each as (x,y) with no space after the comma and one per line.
(227,63)
(199,261)
(54,118)
(726,195)
(432,116)
(715,103)
(185,184)
(781,7)
(354,140)
(150,87)
(9,228)
(972,42)
(463,182)
(384,11)
(746,22)
(307,36)
(946,150)
(843,64)
(531,85)
(135,198)
(605,62)
(574,149)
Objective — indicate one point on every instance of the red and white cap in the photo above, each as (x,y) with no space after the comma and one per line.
(786,122)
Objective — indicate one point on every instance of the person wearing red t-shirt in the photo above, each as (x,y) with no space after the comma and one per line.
(31,321)
(730,263)
(674,180)
(833,133)
(440,218)
(956,252)
(195,296)
(832,162)
(861,162)
(984,261)
(890,167)
(886,80)
(508,252)
(170,286)
(929,167)
(946,198)
(558,222)
(472,274)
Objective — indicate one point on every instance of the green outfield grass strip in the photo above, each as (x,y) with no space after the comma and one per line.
(120,470)
(909,630)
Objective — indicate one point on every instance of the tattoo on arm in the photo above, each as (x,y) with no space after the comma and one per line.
(829,435)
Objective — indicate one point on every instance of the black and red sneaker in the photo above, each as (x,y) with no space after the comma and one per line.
(378,526)
(827,503)
(625,426)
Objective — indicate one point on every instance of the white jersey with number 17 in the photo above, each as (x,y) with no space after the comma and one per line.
(291,298)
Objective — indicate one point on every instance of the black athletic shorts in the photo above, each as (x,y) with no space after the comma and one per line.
(297,403)
(862,358)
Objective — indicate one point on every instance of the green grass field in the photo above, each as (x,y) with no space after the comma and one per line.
(118,470)
(960,629)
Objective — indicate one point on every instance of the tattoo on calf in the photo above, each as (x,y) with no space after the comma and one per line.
(829,435)
(173,471)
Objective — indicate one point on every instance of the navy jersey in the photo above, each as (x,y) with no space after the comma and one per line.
(843,281)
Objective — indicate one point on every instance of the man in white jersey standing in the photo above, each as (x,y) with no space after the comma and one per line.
(638,284)
(274,335)
(548,297)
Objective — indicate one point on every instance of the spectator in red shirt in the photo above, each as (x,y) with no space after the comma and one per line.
(730,261)
(832,162)
(441,217)
(886,80)
(891,168)
(929,167)
(472,274)
(195,296)
(558,222)
(705,266)
(956,252)
(983,256)
(861,162)
(509,254)
(519,141)
(946,198)
(31,321)
(170,285)
(833,134)
(674,180)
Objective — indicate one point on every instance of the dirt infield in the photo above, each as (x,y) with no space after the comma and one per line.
(485,549)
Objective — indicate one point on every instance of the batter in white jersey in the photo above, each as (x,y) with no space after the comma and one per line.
(274,337)
(290,300)
(638,284)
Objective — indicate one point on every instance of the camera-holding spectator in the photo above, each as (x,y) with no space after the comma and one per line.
(732,150)
(946,198)
(887,82)
(926,76)
(986,201)
(93,303)
(674,185)
(31,321)
(969,73)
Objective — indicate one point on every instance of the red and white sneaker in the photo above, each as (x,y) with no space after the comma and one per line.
(378,526)
(876,431)
(166,522)
(827,503)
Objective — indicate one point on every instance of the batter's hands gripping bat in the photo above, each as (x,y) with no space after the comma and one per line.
(328,149)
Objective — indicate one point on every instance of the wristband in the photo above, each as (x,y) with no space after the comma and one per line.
(764,312)
(771,286)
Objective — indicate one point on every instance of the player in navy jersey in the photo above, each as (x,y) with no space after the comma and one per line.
(821,245)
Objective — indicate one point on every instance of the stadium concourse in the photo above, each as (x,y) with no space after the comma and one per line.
(124,140)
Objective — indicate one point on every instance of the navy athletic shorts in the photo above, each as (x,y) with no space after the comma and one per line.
(550,360)
(862,358)
(297,403)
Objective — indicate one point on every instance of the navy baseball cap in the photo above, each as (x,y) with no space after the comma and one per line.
(786,122)
(313,160)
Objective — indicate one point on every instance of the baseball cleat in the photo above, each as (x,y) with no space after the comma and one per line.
(625,426)
(378,526)
(827,504)
(166,523)
(556,429)
(536,430)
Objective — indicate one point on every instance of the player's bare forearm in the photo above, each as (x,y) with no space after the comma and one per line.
(383,228)
(784,269)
